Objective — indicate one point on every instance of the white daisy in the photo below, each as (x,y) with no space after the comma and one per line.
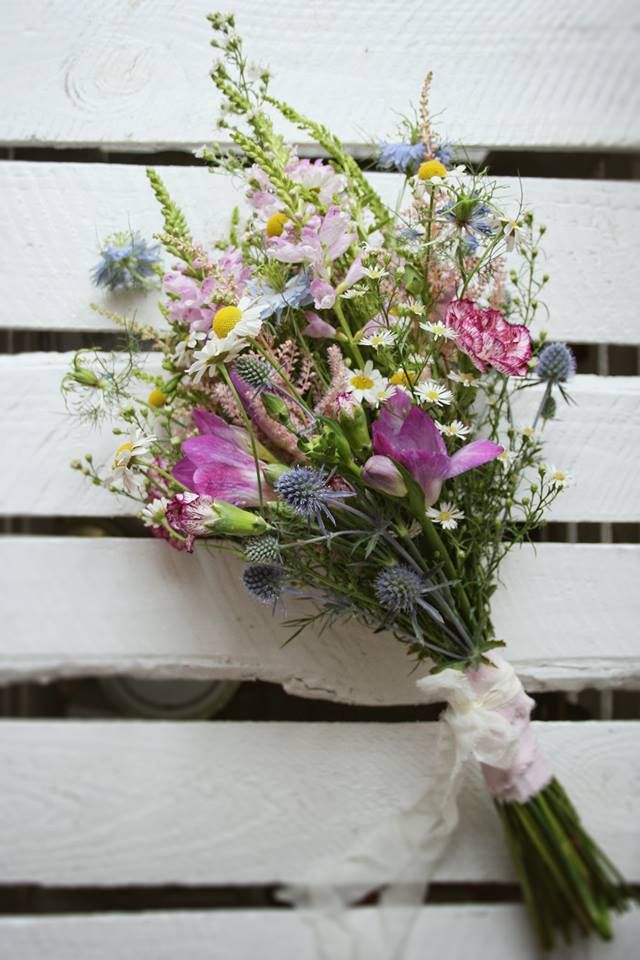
(466,379)
(381,338)
(506,458)
(353,293)
(376,273)
(232,327)
(437,329)
(182,354)
(124,460)
(446,515)
(435,393)
(154,512)
(454,429)
(559,478)
(368,384)
(512,231)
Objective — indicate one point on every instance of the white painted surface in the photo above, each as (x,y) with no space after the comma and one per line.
(57,213)
(74,606)
(136,74)
(596,441)
(474,932)
(253,803)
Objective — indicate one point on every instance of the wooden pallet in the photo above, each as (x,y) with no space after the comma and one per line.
(112,804)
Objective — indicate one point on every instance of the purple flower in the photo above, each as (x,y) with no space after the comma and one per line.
(219,464)
(317,328)
(409,436)
(381,473)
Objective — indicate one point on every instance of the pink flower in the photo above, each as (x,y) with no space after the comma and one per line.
(407,435)
(322,240)
(317,328)
(218,463)
(489,339)
(197,302)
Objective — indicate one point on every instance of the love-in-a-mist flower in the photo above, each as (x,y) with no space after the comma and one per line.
(404,157)
(127,262)
(368,384)
(219,463)
(433,393)
(488,338)
(446,515)
(408,435)
(232,328)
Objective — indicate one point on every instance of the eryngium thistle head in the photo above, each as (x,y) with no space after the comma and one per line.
(264,581)
(262,549)
(549,408)
(556,363)
(399,589)
(254,372)
(305,490)
(127,262)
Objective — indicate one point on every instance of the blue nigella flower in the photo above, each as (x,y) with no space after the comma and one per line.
(270,302)
(444,153)
(473,218)
(404,157)
(126,262)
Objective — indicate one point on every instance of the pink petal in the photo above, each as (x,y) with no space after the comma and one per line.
(473,455)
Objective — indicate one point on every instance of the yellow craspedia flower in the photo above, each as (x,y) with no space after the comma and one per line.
(156,398)
(225,320)
(431,168)
(275,224)
(403,378)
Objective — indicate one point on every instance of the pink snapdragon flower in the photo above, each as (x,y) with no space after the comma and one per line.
(488,338)
(408,436)
(219,463)
(198,301)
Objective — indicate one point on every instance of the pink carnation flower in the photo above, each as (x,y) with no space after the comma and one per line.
(489,339)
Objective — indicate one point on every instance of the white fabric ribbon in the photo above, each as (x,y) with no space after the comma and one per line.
(487,717)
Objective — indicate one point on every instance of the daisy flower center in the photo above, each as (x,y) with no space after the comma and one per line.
(275,224)
(225,320)
(361,382)
(403,378)
(559,476)
(431,168)
(123,446)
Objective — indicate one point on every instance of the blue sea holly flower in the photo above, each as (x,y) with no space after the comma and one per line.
(307,492)
(404,157)
(126,262)
(556,363)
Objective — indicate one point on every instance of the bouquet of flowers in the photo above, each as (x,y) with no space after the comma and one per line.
(336,403)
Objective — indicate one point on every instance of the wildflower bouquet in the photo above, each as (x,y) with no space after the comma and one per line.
(336,403)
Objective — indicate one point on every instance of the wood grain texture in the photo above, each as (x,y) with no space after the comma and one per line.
(136,74)
(472,931)
(596,441)
(254,803)
(567,612)
(58,212)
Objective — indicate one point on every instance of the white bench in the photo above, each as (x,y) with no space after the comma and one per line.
(112,804)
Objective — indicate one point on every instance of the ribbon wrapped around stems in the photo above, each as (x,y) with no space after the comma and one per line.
(487,717)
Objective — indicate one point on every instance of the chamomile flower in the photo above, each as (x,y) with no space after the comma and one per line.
(182,353)
(454,429)
(353,293)
(380,338)
(123,474)
(466,379)
(506,458)
(437,329)
(368,384)
(154,512)
(232,328)
(559,478)
(375,273)
(511,231)
(446,515)
(434,393)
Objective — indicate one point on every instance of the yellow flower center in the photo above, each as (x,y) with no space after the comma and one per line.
(559,476)
(444,515)
(124,446)
(225,320)
(361,382)
(431,168)
(156,398)
(275,224)
(402,378)
(119,460)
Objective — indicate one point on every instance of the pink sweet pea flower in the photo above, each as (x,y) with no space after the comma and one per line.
(317,328)
(409,436)
(489,339)
(218,463)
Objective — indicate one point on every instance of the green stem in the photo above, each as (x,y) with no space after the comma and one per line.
(346,329)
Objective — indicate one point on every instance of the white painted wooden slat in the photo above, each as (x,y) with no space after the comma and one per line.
(596,440)
(56,214)
(100,606)
(123,76)
(501,931)
(251,803)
